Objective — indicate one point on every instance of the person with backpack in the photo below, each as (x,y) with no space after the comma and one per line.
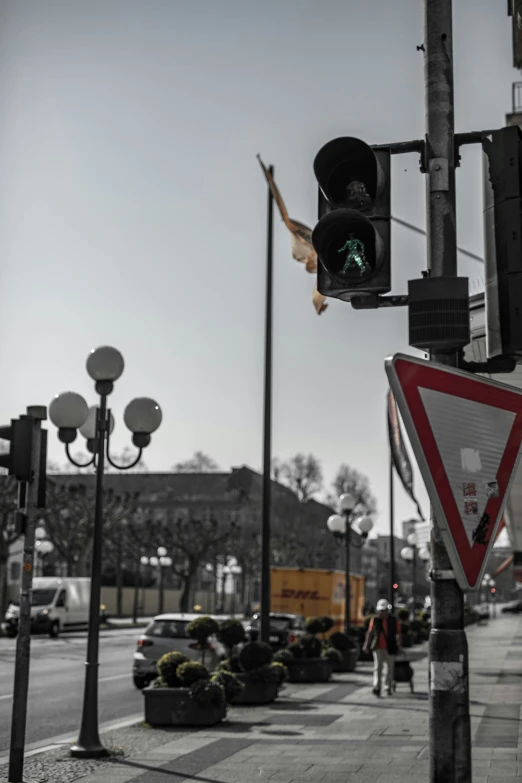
(383,641)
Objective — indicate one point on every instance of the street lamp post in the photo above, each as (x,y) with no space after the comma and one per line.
(161,561)
(42,546)
(69,412)
(341,527)
(410,553)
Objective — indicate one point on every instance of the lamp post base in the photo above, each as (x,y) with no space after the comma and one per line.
(95,751)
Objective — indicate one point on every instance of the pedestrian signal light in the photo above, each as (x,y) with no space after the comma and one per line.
(17,459)
(352,237)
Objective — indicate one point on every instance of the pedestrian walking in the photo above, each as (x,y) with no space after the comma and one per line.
(383,641)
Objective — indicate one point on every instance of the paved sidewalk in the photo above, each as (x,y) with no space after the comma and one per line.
(340,733)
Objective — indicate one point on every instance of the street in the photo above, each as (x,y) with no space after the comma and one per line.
(56,683)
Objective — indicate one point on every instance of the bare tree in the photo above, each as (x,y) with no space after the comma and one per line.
(349,480)
(189,543)
(198,463)
(303,475)
(69,520)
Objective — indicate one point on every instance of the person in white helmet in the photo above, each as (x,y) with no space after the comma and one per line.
(383,641)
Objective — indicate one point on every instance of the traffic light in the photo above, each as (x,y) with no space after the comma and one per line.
(503,241)
(395,586)
(17,460)
(493,590)
(352,237)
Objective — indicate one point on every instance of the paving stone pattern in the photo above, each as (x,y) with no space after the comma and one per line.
(339,732)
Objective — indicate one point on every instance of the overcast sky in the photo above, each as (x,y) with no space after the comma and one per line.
(132,209)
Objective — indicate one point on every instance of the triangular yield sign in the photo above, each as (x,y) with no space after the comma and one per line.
(466,433)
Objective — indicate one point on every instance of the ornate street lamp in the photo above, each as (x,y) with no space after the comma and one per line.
(161,561)
(341,527)
(410,554)
(69,412)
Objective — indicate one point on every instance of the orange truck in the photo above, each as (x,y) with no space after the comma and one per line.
(313,592)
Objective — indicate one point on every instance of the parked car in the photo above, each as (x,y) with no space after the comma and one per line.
(168,633)
(513,607)
(284,629)
(57,604)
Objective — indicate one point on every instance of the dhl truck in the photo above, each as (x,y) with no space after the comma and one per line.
(313,592)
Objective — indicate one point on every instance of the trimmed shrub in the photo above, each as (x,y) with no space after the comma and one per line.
(341,641)
(207,693)
(296,650)
(333,655)
(281,671)
(231,633)
(191,672)
(311,646)
(255,654)
(327,623)
(283,656)
(201,628)
(314,625)
(167,668)
(229,682)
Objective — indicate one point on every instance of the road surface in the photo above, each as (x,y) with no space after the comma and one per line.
(57,678)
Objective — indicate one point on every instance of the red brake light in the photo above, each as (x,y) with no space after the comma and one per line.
(292,638)
(144,643)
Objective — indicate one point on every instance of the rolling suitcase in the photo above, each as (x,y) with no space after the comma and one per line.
(403,673)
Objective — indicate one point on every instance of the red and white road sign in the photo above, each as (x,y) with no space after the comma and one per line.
(466,433)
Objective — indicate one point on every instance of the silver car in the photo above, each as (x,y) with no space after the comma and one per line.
(168,633)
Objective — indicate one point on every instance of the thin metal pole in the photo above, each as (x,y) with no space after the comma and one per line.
(391,570)
(27,500)
(347,536)
(414,581)
(89,744)
(161,586)
(136,592)
(449,722)
(267,426)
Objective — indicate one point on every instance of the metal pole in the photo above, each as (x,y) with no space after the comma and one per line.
(267,427)
(136,592)
(347,574)
(160,596)
(414,581)
(391,570)
(27,500)
(450,735)
(89,743)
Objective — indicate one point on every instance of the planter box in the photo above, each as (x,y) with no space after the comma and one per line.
(348,663)
(255,692)
(174,707)
(309,670)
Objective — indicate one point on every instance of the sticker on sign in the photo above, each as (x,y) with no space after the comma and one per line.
(466,433)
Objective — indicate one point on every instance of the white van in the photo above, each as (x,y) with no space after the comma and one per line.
(57,603)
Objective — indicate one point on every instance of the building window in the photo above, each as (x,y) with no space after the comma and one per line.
(16,570)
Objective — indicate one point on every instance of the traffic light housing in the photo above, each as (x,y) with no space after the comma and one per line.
(503,241)
(17,460)
(352,237)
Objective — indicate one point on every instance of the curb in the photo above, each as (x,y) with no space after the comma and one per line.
(52,743)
